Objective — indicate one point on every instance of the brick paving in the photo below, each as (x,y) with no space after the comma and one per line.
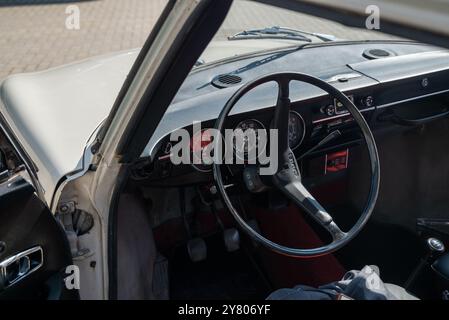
(33,35)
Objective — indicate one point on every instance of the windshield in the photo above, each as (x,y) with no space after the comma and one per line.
(252,27)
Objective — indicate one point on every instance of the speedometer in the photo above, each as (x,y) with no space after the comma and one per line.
(246,147)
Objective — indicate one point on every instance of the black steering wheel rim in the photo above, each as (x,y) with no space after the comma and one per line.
(283,80)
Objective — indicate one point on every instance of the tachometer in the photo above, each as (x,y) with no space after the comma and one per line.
(296,129)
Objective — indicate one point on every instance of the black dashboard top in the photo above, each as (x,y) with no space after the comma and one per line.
(412,70)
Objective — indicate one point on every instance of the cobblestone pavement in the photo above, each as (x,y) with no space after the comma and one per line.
(33,33)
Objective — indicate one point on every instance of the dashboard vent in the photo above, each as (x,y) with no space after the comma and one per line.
(378,53)
(226,80)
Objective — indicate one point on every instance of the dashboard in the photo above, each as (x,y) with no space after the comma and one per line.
(408,89)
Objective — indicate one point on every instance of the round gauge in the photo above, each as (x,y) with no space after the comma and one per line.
(198,143)
(296,129)
(244,146)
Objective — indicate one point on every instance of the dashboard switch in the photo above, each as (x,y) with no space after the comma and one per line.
(253,180)
(368,101)
(425,82)
(330,110)
(336,161)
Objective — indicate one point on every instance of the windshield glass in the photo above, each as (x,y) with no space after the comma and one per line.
(252,26)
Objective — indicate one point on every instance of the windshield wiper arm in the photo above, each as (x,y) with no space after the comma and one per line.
(272,32)
(281,33)
(324,37)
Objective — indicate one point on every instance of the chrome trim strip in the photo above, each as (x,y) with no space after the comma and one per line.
(16,258)
(411,99)
(384,105)
(341,115)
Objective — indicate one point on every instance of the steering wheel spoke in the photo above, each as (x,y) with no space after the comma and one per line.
(282,115)
(298,193)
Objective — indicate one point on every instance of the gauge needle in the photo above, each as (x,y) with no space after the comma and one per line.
(331,136)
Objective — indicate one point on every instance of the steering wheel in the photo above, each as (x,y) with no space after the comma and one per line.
(287,178)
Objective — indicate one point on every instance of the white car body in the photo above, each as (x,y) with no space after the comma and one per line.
(64,106)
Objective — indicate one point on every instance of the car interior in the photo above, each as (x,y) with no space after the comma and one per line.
(188,244)
(363,178)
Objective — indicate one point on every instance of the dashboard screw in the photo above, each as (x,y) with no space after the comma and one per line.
(425,82)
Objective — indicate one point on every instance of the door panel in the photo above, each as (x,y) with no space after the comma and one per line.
(34,251)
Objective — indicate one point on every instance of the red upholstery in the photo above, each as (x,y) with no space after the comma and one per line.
(288,227)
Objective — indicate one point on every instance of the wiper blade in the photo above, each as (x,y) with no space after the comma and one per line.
(272,33)
(278,33)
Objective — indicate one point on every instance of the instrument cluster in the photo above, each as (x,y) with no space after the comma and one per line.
(296,130)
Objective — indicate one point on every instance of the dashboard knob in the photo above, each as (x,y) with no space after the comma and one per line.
(369,101)
(253,180)
(330,110)
(435,245)
(425,82)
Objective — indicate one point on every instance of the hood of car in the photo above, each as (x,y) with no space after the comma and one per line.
(53,113)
